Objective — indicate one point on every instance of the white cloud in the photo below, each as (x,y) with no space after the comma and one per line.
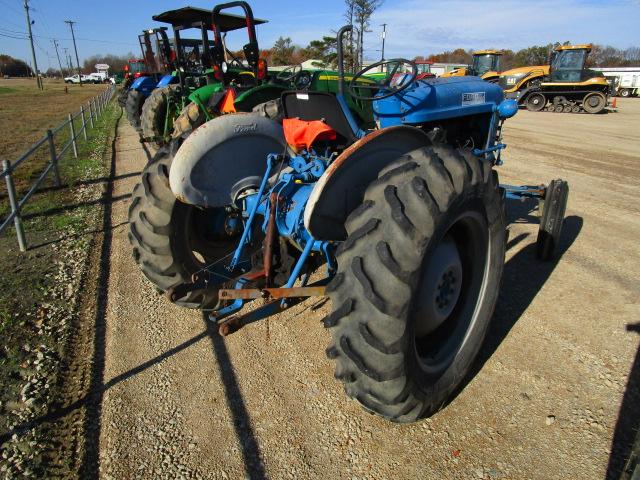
(418,27)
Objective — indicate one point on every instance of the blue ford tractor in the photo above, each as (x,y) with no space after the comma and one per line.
(403,227)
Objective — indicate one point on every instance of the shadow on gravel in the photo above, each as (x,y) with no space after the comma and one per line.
(92,402)
(90,465)
(524,275)
(78,235)
(89,181)
(625,452)
(253,465)
(67,208)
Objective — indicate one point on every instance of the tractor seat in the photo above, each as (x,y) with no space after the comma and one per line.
(311,106)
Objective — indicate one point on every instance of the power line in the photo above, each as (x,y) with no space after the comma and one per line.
(11,23)
(11,36)
(7,30)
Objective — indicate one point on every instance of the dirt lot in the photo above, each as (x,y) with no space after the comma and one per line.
(175,399)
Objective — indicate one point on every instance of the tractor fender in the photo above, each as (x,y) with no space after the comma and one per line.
(223,156)
(144,85)
(167,80)
(205,92)
(341,189)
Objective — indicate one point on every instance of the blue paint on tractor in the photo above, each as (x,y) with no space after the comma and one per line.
(145,85)
(430,100)
(167,80)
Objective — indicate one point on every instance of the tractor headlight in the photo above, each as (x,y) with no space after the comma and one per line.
(224,67)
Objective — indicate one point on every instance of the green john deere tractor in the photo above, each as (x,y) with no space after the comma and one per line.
(191,64)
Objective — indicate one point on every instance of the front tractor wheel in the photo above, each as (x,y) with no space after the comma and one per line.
(536,102)
(133,108)
(594,102)
(417,282)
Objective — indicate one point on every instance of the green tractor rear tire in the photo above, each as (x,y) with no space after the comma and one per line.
(417,283)
(133,108)
(154,112)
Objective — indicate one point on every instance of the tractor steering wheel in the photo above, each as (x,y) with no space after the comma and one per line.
(393,81)
(288,74)
(300,79)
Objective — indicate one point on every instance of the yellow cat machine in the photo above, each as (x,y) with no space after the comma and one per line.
(566,85)
(486,64)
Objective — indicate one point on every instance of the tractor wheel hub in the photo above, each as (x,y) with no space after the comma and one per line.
(441,287)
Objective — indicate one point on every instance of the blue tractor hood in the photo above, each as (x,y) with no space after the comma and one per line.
(434,99)
(145,85)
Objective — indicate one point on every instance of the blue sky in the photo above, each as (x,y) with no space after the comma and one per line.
(415,27)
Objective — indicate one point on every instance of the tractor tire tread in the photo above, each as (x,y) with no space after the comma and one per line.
(368,323)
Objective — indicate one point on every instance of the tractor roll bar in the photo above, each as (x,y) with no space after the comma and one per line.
(251,50)
(341,32)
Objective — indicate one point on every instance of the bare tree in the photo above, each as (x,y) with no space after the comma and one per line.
(362,11)
(349,17)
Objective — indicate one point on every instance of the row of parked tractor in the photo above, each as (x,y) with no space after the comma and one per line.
(385,177)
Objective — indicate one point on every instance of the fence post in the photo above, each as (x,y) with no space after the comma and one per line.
(90,114)
(73,136)
(15,208)
(54,158)
(84,123)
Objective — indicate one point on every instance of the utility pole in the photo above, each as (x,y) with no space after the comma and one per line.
(33,51)
(384,35)
(70,22)
(67,59)
(55,44)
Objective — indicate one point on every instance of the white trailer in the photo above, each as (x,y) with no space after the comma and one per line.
(624,80)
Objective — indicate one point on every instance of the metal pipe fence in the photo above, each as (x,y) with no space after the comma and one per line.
(96,108)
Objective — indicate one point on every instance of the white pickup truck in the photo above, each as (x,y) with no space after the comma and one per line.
(75,79)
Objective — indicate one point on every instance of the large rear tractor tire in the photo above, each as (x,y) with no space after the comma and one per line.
(417,283)
(133,108)
(594,102)
(154,113)
(172,240)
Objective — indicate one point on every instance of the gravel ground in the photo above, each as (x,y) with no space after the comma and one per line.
(544,399)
